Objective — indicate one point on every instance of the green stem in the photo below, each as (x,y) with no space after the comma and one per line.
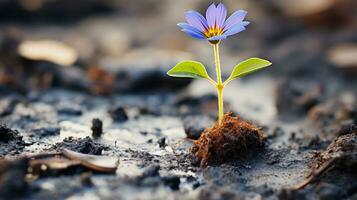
(219,85)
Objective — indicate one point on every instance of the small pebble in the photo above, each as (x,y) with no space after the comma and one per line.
(97,128)
(119,114)
(162,142)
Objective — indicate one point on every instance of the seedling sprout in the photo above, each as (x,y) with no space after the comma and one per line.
(215,28)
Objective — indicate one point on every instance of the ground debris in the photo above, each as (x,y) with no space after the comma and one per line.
(7,134)
(10,141)
(68,162)
(119,114)
(341,154)
(344,150)
(82,145)
(104,164)
(162,142)
(227,142)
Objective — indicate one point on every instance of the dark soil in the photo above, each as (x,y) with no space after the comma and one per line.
(11,141)
(344,150)
(85,145)
(8,135)
(229,141)
(119,114)
(97,128)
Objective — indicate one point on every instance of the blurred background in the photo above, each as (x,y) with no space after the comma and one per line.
(90,75)
(106,47)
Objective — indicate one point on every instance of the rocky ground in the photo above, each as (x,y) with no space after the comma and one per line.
(116,103)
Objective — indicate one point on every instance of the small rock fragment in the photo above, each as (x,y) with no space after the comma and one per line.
(119,114)
(97,128)
(162,142)
(7,134)
(10,141)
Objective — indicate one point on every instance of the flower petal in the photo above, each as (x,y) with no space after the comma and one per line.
(221,14)
(189,27)
(234,19)
(235,29)
(211,15)
(194,34)
(196,20)
(218,37)
(245,23)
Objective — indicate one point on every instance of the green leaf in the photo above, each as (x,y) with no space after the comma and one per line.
(248,66)
(189,69)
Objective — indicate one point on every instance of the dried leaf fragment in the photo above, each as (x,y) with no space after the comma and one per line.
(105,164)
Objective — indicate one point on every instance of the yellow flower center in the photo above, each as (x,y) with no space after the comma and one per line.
(213,31)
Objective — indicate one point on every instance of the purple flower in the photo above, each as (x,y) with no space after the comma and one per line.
(214,27)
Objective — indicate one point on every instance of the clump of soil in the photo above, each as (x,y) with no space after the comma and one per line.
(231,140)
(10,141)
(82,145)
(119,114)
(343,150)
(7,134)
